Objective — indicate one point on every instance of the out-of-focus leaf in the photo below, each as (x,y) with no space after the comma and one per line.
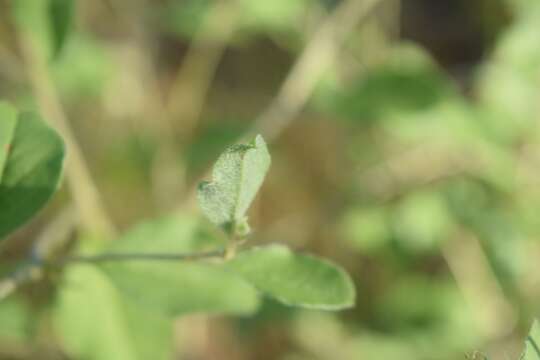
(31,18)
(61,18)
(433,309)
(177,288)
(524,8)
(422,221)
(507,87)
(254,16)
(95,323)
(532,343)
(271,15)
(408,83)
(85,67)
(15,320)
(366,229)
(182,288)
(326,335)
(237,176)
(174,233)
(296,280)
(32,156)
(8,123)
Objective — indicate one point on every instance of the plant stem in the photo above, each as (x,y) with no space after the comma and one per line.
(86,196)
(115,257)
(320,53)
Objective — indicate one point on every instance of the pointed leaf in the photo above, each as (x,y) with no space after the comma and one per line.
(31,158)
(297,280)
(237,177)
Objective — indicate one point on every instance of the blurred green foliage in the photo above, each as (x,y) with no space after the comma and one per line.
(419,175)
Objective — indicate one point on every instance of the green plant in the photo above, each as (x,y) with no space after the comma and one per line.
(163,268)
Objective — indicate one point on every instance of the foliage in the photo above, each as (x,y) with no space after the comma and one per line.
(31,158)
(410,160)
(237,176)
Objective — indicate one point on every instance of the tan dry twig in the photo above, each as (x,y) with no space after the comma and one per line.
(93,216)
(319,55)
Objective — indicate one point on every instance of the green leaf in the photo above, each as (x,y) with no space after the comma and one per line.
(296,280)
(31,158)
(15,319)
(366,229)
(61,18)
(8,121)
(532,344)
(176,288)
(177,233)
(182,288)
(237,176)
(408,83)
(422,221)
(94,322)
(279,15)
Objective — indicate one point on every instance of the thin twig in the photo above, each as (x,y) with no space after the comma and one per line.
(25,274)
(474,276)
(192,82)
(116,257)
(188,93)
(34,270)
(53,237)
(87,199)
(318,56)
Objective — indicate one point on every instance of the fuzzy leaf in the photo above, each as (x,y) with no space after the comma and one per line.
(296,280)
(31,158)
(237,177)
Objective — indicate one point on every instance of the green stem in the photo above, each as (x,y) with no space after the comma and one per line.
(113,257)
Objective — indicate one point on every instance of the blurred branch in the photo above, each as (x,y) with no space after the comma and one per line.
(27,273)
(475,278)
(192,82)
(114,257)
(9,65)
(318,56)
(87,199)
(420,166)
(55,234)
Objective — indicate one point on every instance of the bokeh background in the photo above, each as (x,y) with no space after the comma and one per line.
(405,143)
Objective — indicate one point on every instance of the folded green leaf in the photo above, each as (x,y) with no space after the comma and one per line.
(532,344)
(237,177)
(31,158)
(297,280)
